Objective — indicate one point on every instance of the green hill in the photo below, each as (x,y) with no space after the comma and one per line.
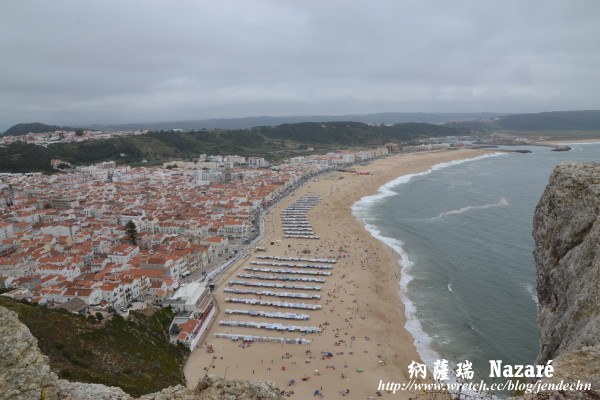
(353,133)
(33,127)
(21,157)
(272,143)
(133,354)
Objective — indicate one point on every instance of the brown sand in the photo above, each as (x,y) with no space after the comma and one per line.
(360,300)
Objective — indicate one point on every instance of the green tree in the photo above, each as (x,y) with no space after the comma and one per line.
(79,132)
(132,232)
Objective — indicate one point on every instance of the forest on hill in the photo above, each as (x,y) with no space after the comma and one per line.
(274,143)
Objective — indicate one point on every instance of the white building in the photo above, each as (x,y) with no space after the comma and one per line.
(189,298)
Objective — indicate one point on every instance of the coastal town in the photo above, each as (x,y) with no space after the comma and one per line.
(107,238)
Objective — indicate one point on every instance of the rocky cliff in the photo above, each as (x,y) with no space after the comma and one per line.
(566,230)
(25,374)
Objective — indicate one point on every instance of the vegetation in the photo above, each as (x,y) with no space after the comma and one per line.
(564,124)
(21,157)
(133,354)
(131,232)
(33,127)
(287,140)
(274,143)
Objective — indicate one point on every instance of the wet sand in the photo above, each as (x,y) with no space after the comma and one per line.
(362,314)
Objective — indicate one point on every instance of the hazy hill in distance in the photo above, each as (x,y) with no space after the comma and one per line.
(250,122)
(582,121)
(551,121)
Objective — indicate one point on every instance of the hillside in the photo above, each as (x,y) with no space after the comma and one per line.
(21,157)
(25,373)
(274,143)
(353,133)
(551,121)
(33,127)
(134,354)
(251,122)
(557,124)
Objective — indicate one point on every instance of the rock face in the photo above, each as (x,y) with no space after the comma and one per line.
(24,370)
(566,230)
(25,374)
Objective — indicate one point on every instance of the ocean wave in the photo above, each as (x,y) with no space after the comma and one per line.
(361,206)
(422,341)
(501,203)
(531,290)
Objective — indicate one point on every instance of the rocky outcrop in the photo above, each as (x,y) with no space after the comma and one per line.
(24,370)
(566,230)
(25,375)
(215,388)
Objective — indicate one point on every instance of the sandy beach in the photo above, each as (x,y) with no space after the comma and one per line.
(362,316)
(570,141)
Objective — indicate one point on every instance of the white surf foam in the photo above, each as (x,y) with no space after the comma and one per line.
(384,191)
(422,341)
(531,290)
(502,203)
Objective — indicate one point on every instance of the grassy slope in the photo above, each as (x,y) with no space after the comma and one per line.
(134,354)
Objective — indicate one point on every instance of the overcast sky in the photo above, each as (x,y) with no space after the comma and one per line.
(132,61)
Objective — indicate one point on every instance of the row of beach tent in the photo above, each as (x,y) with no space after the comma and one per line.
(251,338)
(274,285)
(274,294)
(321,260)
(296,225)
(266,314)
(281,278)
(268,325)
(288,271)
(277,264)
(301,237)
(282,304)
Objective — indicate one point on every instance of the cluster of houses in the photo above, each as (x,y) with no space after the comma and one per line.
(66,136)
(64,239)
(64,236)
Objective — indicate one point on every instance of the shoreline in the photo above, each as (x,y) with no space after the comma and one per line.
(571,141)
(413,325)
(361,300)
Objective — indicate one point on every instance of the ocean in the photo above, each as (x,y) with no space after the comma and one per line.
(463,232)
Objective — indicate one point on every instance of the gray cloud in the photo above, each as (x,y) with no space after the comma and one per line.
(122,61)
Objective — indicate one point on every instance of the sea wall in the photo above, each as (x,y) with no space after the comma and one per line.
(25,374)
(566,230)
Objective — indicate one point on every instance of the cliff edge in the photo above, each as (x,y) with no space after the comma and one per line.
(566,230)
(25,374)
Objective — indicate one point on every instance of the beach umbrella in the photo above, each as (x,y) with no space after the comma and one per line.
(360,370)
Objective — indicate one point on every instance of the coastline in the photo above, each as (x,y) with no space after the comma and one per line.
(571,141)
(368,271)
